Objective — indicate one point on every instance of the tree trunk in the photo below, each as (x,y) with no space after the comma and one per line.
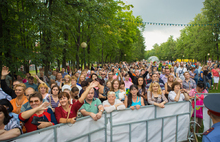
(1,35)
(64,49)
(58,64)
(217,46)
(88,51)
(102,54)
(36,68)
(77,46)
(106,58)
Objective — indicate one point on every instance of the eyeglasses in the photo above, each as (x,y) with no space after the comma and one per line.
(102,74)
(35,101)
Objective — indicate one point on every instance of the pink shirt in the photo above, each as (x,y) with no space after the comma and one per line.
(115,77)
(128,84)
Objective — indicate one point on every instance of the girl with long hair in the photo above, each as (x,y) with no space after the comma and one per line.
(134,99)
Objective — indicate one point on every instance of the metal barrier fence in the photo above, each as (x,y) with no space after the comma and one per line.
(150,123)
(204,114)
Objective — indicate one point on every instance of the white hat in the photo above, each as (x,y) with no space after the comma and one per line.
(66,87)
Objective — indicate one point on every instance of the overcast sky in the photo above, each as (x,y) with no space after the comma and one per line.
(164,11)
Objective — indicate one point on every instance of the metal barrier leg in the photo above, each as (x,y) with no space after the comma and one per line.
(111,126)
(129,132)
(89,138)
(162,130)
(106,121)
(177,128)
(194,126)
(55,134)
(146,131)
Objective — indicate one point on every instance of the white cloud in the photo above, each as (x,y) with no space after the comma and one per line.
(164,11)
(159,35)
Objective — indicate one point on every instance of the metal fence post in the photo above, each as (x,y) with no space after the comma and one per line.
(177,128)
(55,134)
(129,132)
(106,121)
(111,126)
(194,124)
(146,131)
(162,130)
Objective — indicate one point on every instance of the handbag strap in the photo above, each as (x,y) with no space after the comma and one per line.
(50,100)
(68,113)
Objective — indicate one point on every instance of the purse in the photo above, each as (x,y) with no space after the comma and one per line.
(36,119)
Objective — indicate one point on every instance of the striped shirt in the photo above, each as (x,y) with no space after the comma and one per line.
(3,95)
(12,124)
(52,102)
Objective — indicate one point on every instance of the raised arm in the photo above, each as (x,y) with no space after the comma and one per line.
(4,86)
(29,113)
(38,79)
(86,92)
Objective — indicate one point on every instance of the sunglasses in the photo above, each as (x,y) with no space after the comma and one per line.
(36,101)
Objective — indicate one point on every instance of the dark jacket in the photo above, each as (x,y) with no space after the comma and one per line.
(135,78)
(8,90)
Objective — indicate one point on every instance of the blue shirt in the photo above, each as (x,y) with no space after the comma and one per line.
(214,135)
(196,73)
(34,86)
(3,95)
(14,115)
(138,102)
(63,74)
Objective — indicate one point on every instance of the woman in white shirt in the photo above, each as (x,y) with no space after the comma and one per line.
(177,94)
(112,103)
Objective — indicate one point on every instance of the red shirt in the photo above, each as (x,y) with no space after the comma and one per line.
(47,114)
(215,73)
(61,113)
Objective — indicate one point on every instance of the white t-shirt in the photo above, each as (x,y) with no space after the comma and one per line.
(172,96)
(112,107)
(180,71)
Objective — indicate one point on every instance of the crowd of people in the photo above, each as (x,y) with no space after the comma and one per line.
(36,102)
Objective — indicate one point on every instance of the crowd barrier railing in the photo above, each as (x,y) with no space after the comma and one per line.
(149,123)
(207,122)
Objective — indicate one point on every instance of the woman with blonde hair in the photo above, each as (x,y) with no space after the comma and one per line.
(20,99)
(43,89)
(155,95)
(66,82)
(81,78)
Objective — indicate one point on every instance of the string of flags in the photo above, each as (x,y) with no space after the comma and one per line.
(169,24)
(166,24)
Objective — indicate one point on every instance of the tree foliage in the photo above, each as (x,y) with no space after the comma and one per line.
(50,32)
(195,41)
